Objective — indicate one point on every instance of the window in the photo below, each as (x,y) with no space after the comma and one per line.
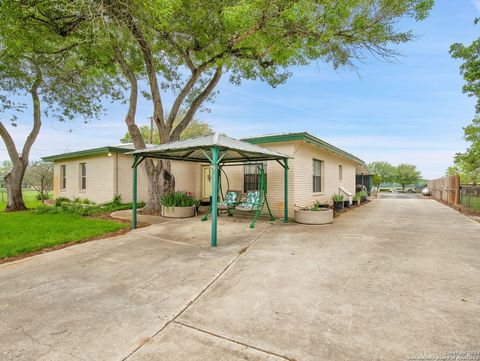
(317,175)
(83,176)
(63,176)
(251,176)
(340,172)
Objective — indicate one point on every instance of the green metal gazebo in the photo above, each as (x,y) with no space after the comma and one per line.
(218,150)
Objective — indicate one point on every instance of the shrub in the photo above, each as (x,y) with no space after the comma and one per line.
(60,200)
(64,205)
(38,196)
(178,199)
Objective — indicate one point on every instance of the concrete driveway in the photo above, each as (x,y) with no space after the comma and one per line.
(393,280)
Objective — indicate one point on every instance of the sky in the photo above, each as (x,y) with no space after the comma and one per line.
(410,110)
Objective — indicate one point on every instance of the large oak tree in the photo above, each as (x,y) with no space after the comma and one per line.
(186,46)
(42,65)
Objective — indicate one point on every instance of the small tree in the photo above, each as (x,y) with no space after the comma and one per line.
(40,176)
(406,174)
(384,171)
(376,180)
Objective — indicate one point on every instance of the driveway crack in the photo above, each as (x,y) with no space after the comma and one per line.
(225,269)
(235,341)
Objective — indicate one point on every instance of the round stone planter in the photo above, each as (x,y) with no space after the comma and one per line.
(178,212)
(322,216)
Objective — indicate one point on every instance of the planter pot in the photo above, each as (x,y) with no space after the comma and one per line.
(356,202)
(364,198)
(322,216)
(346,204)
(338,206)
(178,212)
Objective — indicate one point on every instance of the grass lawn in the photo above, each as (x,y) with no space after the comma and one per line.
(28,197)
(23,232)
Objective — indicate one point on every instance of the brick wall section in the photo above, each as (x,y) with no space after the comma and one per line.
(107,176)
(100,177)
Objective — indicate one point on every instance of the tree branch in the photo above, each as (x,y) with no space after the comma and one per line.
(175,135)
(8,140)
(182,95)
(152,75)
(137,138)
(37,116)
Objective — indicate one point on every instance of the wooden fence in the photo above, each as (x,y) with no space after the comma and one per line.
(446,189)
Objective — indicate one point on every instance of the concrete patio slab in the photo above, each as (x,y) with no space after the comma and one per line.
(180,343)
(101,300)
(392,280)
(126,215)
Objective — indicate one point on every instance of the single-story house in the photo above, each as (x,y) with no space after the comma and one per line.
(317,170)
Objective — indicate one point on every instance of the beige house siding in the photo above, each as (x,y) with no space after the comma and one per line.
(302,167)
(99,189)
(107,176)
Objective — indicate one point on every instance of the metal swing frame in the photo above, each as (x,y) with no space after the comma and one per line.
(259,204)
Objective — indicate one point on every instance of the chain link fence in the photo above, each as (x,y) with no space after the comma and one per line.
(470,197)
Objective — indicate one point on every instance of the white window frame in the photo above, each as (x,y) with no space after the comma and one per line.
(82,171)
(63,177)
(317,164)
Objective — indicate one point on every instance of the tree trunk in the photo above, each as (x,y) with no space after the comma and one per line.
(160,181)
(13,184)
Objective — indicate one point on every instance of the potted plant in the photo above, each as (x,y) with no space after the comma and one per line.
(357,198)
(364,196)
(178,205)
(318,213)
(338,202)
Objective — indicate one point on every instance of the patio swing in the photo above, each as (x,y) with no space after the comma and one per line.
(254,202)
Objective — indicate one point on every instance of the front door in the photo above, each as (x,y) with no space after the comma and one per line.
(206,182)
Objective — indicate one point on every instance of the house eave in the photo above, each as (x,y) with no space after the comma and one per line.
(307,137)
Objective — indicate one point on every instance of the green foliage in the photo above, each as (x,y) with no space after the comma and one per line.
(23,232)
(178,199)
(337,198)
(84,207)
(376,180)
(407,174)
(384,172)
(469,161)
(318,206)
(196,128)
(60,200)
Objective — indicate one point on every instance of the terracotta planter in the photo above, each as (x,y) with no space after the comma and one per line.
(178,212)
(322,216)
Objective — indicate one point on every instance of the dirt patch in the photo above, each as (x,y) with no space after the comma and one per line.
(72,243)
(461,209)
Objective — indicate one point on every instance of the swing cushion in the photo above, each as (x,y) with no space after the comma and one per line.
(253,201)
(230,201)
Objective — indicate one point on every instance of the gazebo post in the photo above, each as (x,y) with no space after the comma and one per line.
(134,192)
(214,162)
(285,191)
